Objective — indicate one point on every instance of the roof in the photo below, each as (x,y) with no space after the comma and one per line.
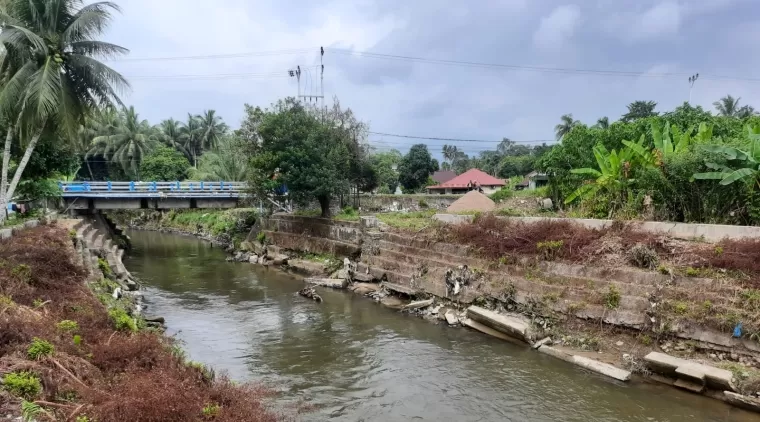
(471,175)
(443,176)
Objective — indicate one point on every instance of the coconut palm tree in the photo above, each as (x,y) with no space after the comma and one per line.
(603,123)
(50,73)
(727,106)
(212,128)
(449,152)
(171,135)
(127,143)
(746,111)
(191,136)
(226,162)
(565,127)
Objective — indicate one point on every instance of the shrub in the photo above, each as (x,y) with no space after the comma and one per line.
(501,195)
(211,410)
(39,349)
(22,272)
(680,308)
(261,238)
(423,204)
(550,248)
(67,325)
(77,339)
(121,320)
(692,272)
(22,384)
(612,297)
(104,267)
(643,257)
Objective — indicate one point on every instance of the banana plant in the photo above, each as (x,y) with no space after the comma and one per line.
(740,165)
(612,175)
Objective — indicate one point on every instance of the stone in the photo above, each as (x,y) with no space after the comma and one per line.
(335,283)
(551,351)
(547,204)
(132,285)
(400,289)
(467,322)
(619,344)
(419,304)
(6,233)
(158,319)
(662,363)
(364,288)
(364,277)
(280,259)
(506,324)
(392,302)
(694,387)
(451,318)
(744,402)
(545,340)
(253,259)
(434,311)
(602,368)
(692,373)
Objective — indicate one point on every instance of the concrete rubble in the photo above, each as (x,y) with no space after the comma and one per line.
(334,283)
(690,372)
(419,304)
(509,325)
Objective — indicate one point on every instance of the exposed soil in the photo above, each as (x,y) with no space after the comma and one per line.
(96,370)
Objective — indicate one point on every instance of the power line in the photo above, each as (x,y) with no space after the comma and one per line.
(395,135)
(214,56)
(600,72)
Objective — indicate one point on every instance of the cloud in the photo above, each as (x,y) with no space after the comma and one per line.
(660,20)
(557,27)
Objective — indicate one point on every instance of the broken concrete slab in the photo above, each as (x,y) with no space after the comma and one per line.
(714,378)
(392,302)
(400,289)
(451,318)
(691,372)
(719,379)
(663,364)
(306,267)
(544,341)
(335,283)
(602,368)
(419,304)
(745,402)
(698,388)
(363,277)
(280,259)
(506,324)
(467,322)
(556,353)
(364,288)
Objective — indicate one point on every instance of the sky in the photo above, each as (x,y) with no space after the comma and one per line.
(553,57)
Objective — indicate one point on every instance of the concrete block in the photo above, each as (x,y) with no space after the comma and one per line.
(602,368)
(694,387)
(335,283)
(506,324)
(467,322)
(6,233)
(451,318)
(419,304)
(31,223)
(398,288)
(363,277)
(744,402)
(719,379)
(691,372)
(544,341)
(556,353)
(663,364)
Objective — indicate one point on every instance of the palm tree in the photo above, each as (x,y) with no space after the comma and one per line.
(640,110)
(226,162)
(565,127)
(50,74)
(171,135)
(212,128)
(727,106)
(603,123)
(128,143)
(746,111)
(191,137)
(449,153)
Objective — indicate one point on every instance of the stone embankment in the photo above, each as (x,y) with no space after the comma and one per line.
(618,321)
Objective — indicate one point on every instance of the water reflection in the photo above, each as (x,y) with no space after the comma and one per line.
(358,361)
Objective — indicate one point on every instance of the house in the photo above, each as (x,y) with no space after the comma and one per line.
(466,181)
(443,176)
(532,181)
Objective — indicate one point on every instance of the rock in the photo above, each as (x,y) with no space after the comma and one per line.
(280,259)
(435,310)
(253,259)
(547,204)
(734,356)
(619,344)
(334,283)
(400,289)
(713,356)
(392,302)
(744,402)
(451,318)
(505,323)
(131,285)
(116,293)
(364,288)
(545,340)
(310,293)
(363,277)
(419,304)
(158,319)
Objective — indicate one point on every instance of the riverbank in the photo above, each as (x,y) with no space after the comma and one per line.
(75,349)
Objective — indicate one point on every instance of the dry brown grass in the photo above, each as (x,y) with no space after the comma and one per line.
(111,376)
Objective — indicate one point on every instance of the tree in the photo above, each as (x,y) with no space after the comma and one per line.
(565,126)
(171,135)
(728,106)
(192,138)
(415,167)
(49,72)
(603,123)
(127,143)
(227,162)
(300,151)
(164,164)
(640,110)
(384,164)
(449,153)
(211,128)
(745,112)
(740,165)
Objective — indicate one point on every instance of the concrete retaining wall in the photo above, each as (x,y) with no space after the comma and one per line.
(709,232)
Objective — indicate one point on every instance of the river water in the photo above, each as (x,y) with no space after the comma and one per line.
(354,360)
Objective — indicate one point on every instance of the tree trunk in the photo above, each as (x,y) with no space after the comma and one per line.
(22,165)
(89,169)
(4,179)
(324,204)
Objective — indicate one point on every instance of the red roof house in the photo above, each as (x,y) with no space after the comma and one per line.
(443,176)
(468,181)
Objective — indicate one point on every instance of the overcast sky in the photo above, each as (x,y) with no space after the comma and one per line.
(654,37)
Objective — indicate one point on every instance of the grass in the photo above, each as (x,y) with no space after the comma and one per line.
(408,220)
(40,349)
(122,321)
(24,384)
(68,325)
(347,214)
(612,297)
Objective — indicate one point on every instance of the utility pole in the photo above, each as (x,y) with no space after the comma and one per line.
(297,74)
(692,79)
(321,91)
(322,79)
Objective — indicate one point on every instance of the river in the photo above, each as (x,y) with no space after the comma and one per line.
(354,360)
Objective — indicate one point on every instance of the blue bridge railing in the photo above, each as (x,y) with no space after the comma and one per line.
(151,189)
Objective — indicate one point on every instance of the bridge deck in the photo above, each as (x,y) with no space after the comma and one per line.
(158,190)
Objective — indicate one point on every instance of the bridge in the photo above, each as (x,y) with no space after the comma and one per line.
(150,195)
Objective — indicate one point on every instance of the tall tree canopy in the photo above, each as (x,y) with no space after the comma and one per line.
(640,110)
(415,167)
(565,126)
(49,72)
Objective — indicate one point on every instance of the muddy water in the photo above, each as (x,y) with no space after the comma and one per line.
(357,361)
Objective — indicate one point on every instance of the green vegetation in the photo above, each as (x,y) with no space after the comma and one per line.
(122,321)
(347,214)
(680,307)
(104,267)
(612,297)
(22,273)
(68,325)
(502,194)
(39,349)
(415,169)
(164,163)
(550,248)
(24,384)
(210,411)
(408,220)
